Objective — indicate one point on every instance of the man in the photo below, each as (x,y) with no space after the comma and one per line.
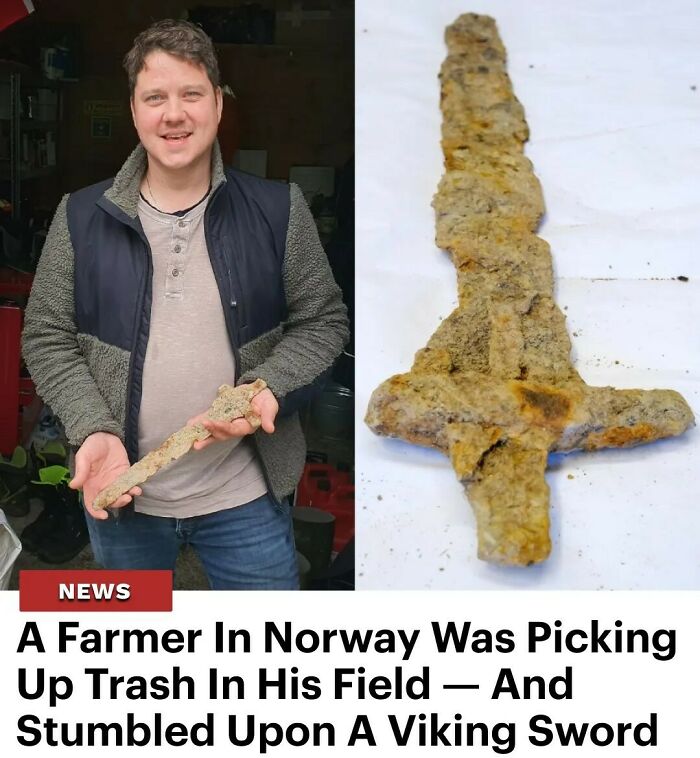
(158,286)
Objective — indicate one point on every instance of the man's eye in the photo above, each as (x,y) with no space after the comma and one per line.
(192,94)
(153,98)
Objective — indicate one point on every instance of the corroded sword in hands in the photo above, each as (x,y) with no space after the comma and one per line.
(230,403)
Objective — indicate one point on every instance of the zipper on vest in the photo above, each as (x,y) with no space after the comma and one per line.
(131,433)
(232,297)
(217,264)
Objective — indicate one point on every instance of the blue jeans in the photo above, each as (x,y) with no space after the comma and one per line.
(249,547)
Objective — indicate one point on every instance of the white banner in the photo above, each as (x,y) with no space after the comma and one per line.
(356,674)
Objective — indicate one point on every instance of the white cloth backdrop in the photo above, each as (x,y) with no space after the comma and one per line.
(612,96)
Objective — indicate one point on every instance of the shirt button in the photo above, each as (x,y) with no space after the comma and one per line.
(177,249)
(182,224)
(176,272)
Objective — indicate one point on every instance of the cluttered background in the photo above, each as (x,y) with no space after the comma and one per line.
(287,70)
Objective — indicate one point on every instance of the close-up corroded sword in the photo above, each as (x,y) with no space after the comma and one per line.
(495,388)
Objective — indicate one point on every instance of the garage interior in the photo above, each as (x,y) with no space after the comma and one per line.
(287,69)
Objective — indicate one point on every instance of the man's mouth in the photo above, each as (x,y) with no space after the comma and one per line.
(176,136)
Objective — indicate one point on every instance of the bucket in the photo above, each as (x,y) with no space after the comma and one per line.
(332,414)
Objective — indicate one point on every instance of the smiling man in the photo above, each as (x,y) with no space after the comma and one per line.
(156,287)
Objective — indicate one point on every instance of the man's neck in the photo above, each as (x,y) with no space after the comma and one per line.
(171,191)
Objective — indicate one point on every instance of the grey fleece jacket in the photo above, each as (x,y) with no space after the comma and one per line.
(85,379)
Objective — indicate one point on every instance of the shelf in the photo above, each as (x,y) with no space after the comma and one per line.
(30,78)
(35,124)
(37,172)
(26,133)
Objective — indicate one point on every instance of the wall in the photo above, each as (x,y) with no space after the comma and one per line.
(294,99)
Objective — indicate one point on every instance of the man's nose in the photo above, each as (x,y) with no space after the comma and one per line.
(174,110)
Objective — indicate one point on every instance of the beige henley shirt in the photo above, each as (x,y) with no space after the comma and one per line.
(188,357)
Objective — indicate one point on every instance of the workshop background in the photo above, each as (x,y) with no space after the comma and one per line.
(287,68)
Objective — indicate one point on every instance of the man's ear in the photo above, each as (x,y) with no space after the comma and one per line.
(133,115)
(219,103)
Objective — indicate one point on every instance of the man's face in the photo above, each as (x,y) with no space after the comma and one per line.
(176,111)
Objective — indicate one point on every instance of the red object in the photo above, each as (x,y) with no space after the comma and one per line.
(15,391)
(14,10)
(323,486)
(342,505)
(27,391)
(15,282)
(95,590)
(312,489)
(10,331)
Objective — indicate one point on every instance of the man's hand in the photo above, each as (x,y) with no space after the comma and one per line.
(98,462)
(264,404)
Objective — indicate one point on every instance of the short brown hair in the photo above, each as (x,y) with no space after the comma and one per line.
(179,38)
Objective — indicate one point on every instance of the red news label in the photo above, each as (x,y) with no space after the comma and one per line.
(95,590)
